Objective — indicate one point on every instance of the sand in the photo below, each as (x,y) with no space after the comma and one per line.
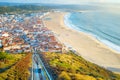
(87,46)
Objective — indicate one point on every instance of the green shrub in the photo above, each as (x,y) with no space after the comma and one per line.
(72,66)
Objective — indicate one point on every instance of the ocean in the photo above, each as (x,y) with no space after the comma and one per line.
(103,25)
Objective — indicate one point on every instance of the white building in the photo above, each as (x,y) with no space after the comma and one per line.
(5,35)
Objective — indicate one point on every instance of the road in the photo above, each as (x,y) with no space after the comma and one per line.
(39,71)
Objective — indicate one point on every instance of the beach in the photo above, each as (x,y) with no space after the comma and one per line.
(87,46)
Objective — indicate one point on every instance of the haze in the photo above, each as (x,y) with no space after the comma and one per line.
(62,1)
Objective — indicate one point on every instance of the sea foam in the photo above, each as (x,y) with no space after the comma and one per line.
(108,43)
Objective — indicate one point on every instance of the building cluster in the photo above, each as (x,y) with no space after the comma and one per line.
(22,33)
(48,42)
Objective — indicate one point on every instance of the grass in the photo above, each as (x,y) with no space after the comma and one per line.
(9,60)
(69,66)
(20,69)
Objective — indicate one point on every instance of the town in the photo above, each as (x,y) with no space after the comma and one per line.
(22,33)
(59,40)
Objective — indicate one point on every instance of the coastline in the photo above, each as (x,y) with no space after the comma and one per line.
(107,43)
(87,46)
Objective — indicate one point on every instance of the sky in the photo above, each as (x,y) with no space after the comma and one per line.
(62,1)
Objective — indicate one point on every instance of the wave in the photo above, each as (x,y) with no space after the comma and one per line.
(110,44)
(68,23)
(107,42)
(109,35)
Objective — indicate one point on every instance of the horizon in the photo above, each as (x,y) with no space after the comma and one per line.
(63,1)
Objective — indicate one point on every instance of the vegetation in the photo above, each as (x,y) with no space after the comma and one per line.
(72,67)
(22,9)
(19,71)
(8,60)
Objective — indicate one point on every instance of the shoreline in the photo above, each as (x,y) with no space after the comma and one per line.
(91,35)
(87,46)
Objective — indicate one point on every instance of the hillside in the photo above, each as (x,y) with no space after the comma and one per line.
(22,9)
(14,66)
(69,66)
(13,8)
